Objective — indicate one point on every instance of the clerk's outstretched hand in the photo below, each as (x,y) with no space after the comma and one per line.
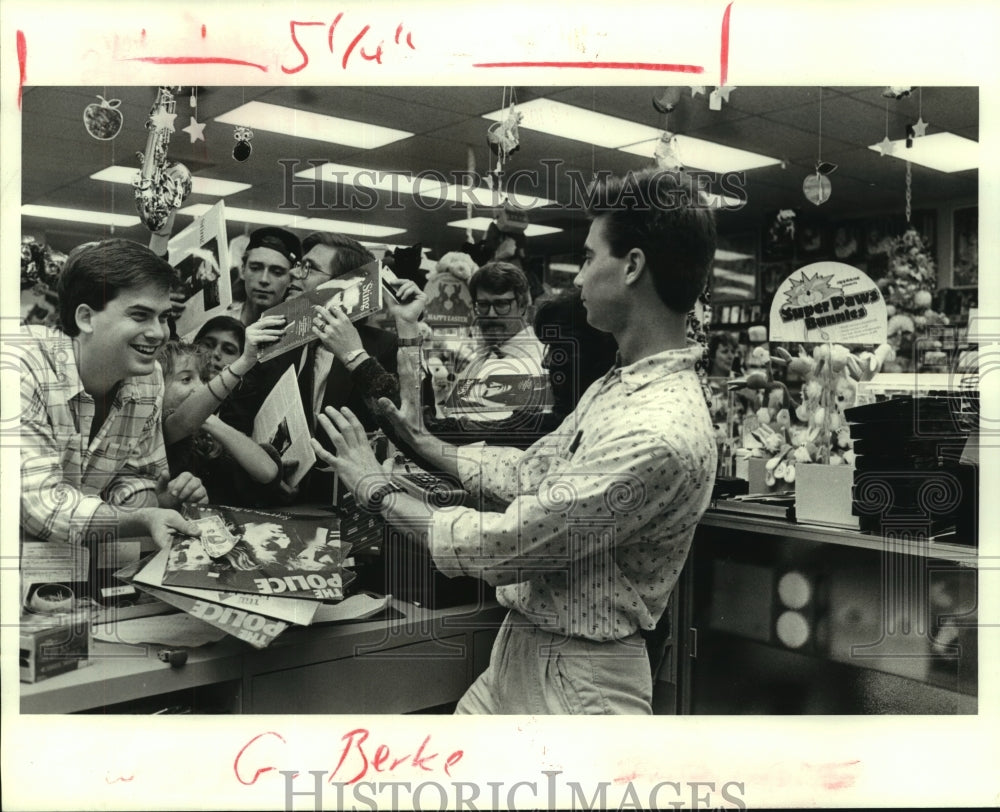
(354,462)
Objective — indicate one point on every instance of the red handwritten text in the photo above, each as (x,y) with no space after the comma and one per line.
(383,760)
(355,43)
(358,757)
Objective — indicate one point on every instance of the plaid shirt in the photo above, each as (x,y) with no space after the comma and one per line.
(601,513)
(66,477)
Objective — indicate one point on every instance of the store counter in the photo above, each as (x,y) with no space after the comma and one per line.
(796,618)
(417,659)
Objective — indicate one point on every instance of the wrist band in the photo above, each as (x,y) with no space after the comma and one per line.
(410,342)
(239,378)
(212,391)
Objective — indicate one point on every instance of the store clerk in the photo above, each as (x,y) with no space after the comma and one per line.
(600,514)
(92,456)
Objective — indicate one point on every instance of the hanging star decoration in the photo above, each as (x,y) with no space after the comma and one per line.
(195,130)
(697,90)
(724,92)
(920,128)
(886,147)
(163,120)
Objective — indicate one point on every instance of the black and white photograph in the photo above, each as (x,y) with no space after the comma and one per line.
(769,549)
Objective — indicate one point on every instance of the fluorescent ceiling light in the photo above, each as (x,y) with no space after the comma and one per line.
(945,152)
(424,186)
(199,186)
(568,121)
(700,154)
(234,215)
(346,227)
(483,223)
(564,267)
(99,218)
(302,124)
(267,218)
(730,256)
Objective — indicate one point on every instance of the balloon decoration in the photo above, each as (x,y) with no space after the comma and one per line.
(105,120)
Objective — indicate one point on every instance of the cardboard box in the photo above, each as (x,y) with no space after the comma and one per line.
(823,495)
(53,644)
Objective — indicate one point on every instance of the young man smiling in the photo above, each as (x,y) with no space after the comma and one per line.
(601,513)
(92,453)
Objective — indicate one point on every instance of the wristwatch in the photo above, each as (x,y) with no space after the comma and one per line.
(377,496)
(351,357)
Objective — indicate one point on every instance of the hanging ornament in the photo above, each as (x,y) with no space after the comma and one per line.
(896,92)
(195,130)
(503,137)
(103,121)
(668,100)
(885,146)
(666,154)
(242,149)
(920,127)
(817,187)
(697,90)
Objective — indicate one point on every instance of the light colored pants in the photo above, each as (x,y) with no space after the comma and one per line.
(533,671)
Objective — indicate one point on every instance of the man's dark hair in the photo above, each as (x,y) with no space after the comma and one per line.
(501,277)
(97,272)
(350,253)
(662,213)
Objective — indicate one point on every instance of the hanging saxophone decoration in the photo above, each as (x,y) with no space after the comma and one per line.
(162,185)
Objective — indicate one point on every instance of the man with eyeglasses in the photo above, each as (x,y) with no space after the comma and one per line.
(508,347)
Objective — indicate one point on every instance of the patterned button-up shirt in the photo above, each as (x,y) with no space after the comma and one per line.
(66,476)
(600,514)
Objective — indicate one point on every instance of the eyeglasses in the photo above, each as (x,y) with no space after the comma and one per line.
(500,306)
(306,267)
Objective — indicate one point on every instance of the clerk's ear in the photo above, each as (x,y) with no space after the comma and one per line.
(84,317)
(635,265)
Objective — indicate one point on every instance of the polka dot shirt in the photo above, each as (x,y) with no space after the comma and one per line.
(600,514)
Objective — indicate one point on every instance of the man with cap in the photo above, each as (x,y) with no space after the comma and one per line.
(266,271)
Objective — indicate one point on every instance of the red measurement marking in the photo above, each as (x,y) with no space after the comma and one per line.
(22,60)
(295,41)
(352,46)
(123,779)
(724,49)
(654,66)
(196,60)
